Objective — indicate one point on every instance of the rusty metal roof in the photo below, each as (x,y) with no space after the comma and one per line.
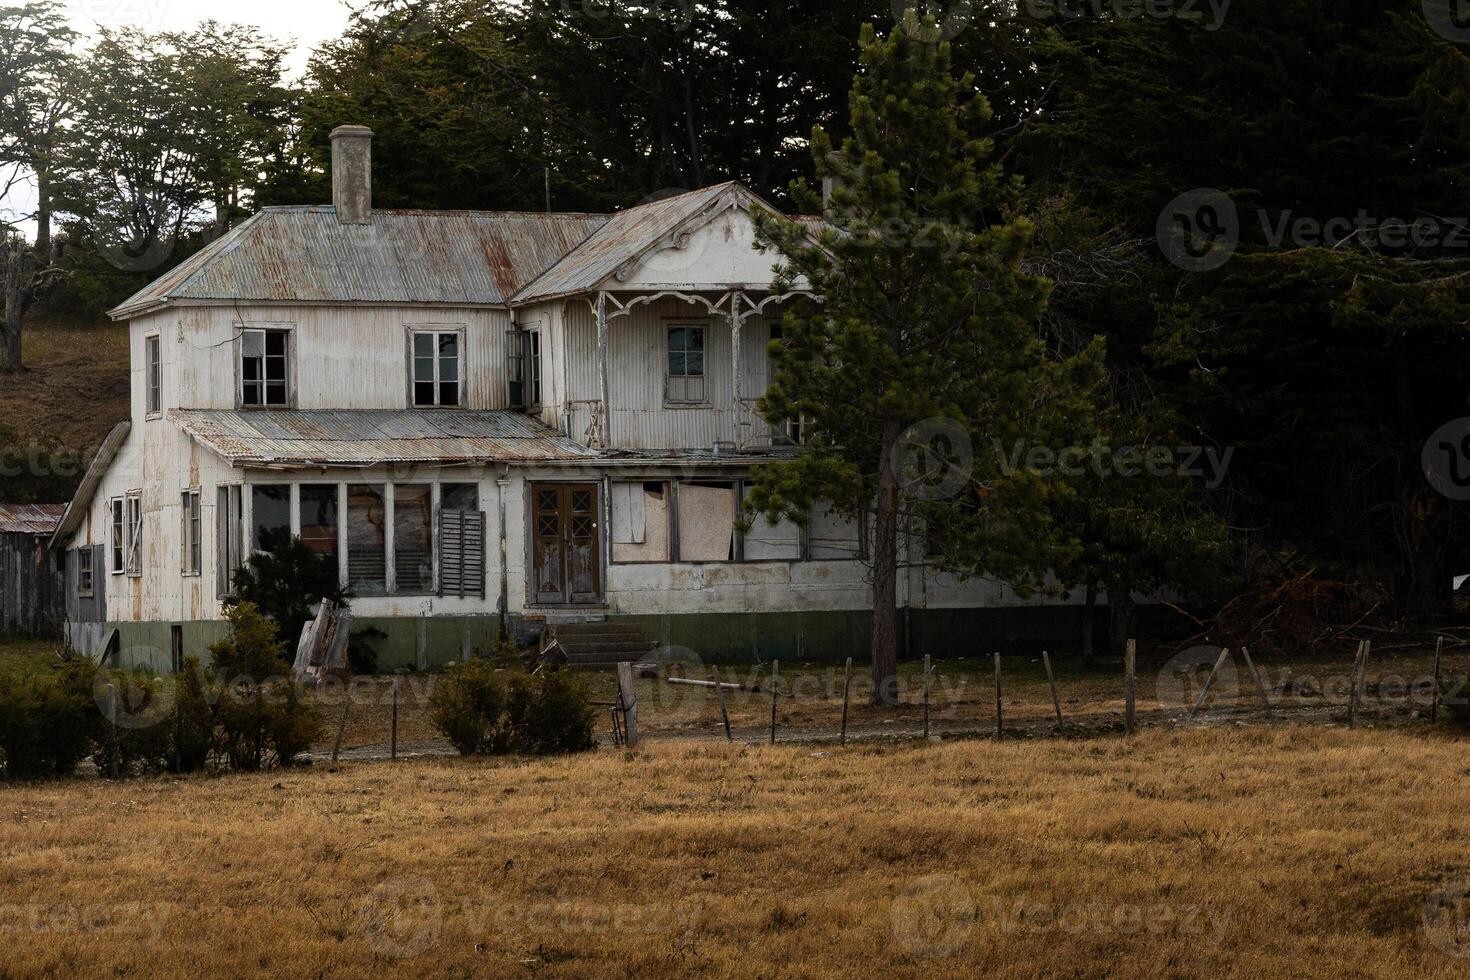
(629,234)
(374,438)
(30,518)
(304,254)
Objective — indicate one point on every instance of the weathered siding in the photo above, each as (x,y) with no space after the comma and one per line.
(32,594)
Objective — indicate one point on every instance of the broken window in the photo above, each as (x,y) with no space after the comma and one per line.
(436,369)
(119,538)
(685,383)
(270,516)
(319,519)
(640,522)
(189,532)
(772,542)
(367,550)
(413,540)
(230,526)
(154,375)
(706,522)
(135,535)
(264,368)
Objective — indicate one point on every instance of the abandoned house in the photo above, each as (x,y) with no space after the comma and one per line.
(482,418)
(32,595)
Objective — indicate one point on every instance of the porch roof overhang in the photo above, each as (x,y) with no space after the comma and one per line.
(368,438)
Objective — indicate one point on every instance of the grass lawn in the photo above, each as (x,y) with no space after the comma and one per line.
(75,388)
(1286,851)
(23,658)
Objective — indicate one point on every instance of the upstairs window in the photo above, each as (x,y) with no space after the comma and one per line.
(190,533)
(119,547)
(265,368)
(154,375)
(685,384)
(523,369)
(436,368)
(135,535)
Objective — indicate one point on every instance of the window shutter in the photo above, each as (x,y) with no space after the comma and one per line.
(462,554)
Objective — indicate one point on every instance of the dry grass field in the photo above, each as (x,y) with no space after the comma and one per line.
(1300,851)
(76,387)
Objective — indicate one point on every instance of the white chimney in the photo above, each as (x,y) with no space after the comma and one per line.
(352,174)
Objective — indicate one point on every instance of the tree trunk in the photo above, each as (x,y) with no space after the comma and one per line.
(1122,618)
(1089,621)
(43,211)
(885,575)
(17,271)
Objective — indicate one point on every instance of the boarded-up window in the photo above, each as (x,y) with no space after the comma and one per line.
(767,542)
(413,540)
(230,527)
(319,521)
(462,554)
(270,517)
(640,522)
(706,522)
(834,538)
(367,551)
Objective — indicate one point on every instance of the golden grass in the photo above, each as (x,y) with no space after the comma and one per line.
(1253,852)
(75,388)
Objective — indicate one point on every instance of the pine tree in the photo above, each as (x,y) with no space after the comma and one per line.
(925,346)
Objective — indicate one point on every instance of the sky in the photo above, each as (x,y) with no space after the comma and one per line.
(305,22)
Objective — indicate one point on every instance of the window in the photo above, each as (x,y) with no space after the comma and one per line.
(640,522)
(154,372)
(523,368)
(119,545)
(436,369)
(264,363)
(84,572)
(189,532)
(460,497)
(413,540)
(367,544)
(319,519)
(135,535)
(835,538)
(270,518)
(685,381)
(230,525)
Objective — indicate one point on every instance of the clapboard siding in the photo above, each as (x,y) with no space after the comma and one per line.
(32,594)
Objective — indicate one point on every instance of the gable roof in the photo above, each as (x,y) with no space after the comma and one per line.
(304,254)
(629,235)
(367,437)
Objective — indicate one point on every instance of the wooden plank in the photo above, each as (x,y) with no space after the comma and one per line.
(1359,672)
(1256,677)
(775,695)
(1130,666)
(1056,701)
(1438,661)
(724,708)
(628,695)
(999,711)
(926,695)
(1209,683)
(846,698)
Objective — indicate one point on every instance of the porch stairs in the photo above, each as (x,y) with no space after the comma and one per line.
(592,646)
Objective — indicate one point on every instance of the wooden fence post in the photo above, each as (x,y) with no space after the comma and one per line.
(393,753)
(1130,659)
(1256,677)
(112,746)
(1056,702)
(999,710)
(1209,683)
(1438,659)
(926,696)
(775,695)
(724,711)
(628,701)
(846,698)
(342,726)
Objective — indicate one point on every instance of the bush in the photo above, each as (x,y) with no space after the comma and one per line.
(260,710)
(286,584)
(482,710)
(48,723)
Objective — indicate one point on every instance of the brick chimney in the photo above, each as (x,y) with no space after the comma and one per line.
(352,174)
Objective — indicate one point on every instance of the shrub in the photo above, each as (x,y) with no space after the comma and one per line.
(193,719)
(482,710)
(286,583)
(48,723)
(141,742)
(260,710)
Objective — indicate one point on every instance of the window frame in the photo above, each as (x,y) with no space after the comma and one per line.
(436,330)
(133,558)
(117,547)
(532,352)
(152,375)
(265,328)
(669,326)
(86,574)
(191,532)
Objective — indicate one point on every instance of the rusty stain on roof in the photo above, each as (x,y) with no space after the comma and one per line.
(376,437)
(30,518)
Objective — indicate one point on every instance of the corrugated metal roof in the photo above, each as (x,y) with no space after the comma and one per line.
(30,518)
(369,438)
(625,236)
(476,258)
(76,511)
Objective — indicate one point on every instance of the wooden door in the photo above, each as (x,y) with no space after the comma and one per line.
(566,543)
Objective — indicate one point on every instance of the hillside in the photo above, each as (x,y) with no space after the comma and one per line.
(75,389)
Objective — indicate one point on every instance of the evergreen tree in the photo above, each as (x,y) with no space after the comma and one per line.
(926,345)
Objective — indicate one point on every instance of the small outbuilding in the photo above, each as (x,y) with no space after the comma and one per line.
(32,578)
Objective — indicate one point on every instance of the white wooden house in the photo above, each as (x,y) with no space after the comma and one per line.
(483,418)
